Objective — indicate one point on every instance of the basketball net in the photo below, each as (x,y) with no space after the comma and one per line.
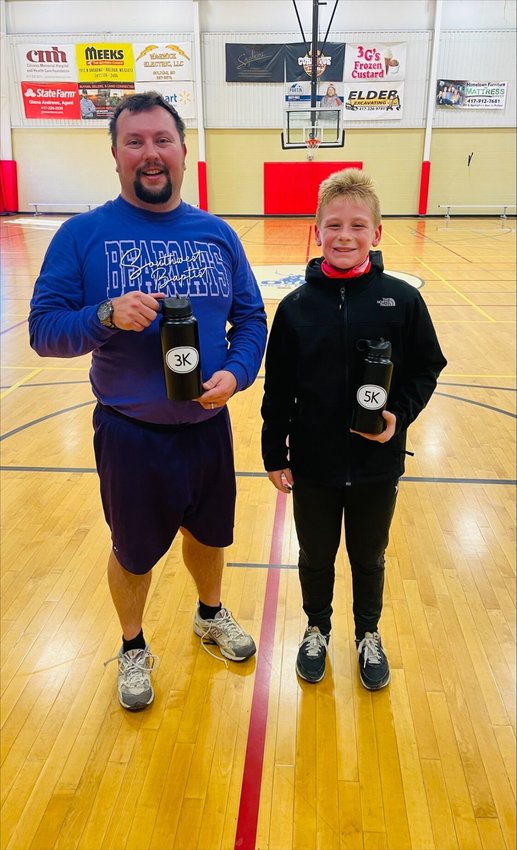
(312,144)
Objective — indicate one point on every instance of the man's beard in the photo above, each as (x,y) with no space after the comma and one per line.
(153,196)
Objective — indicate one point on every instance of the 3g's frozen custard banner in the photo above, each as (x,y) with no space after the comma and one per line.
(374,74)
(87,81)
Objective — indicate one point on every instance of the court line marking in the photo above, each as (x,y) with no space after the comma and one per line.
(23,380)
(457,291)
(387,233)
(411,479)
(478,404)
(13,327)
(246,831)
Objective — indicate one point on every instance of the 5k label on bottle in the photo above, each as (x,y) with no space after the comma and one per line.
(371,396)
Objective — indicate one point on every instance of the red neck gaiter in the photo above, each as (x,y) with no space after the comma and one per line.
(357,271)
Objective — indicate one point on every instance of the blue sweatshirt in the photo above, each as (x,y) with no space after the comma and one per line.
(118,248)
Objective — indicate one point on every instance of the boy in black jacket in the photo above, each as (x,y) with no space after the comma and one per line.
(308,446)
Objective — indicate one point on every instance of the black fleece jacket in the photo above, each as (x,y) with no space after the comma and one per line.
(312,374)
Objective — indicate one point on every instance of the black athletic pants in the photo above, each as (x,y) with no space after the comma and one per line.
(318,514)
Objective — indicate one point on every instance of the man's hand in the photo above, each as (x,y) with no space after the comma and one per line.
(282,479)
(135,311)
(384,436)
(218,389)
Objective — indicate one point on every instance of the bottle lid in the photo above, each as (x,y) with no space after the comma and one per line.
(176,308)
(375,347)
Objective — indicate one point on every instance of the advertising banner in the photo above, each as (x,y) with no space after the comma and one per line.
(105,63)
(298,62)
(179,95)
(384,61)
(163,63)
(42,62)
(463,94)
(254,63)
(55,101)
(373,102)
(330,95)
(99,101)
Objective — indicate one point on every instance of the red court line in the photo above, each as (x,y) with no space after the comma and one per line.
(246,833)
(309,243)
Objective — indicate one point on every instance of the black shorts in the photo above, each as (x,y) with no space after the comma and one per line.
(156,478)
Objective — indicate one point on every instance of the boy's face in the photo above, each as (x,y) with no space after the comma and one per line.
(346,232)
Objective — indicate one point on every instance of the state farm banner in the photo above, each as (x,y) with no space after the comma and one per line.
(373,102)
(373,61)
(55,101)
(180,95)
(463,94)
(163,63)
(42,62)
(105,63)
(329,63)
(254,63)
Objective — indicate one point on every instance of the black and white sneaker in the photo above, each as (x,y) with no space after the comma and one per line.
(312,654)
(373,664)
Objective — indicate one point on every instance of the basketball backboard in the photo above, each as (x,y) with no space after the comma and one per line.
(321,123)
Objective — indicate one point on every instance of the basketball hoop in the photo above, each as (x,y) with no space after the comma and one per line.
(312,144)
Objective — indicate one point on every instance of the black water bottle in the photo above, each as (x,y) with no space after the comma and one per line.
(180,349)
(374,386)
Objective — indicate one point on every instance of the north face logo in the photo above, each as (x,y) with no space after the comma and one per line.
(386,302)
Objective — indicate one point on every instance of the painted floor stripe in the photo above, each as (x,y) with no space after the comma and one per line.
(246,833)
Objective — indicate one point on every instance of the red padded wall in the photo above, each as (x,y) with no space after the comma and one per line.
(291,188)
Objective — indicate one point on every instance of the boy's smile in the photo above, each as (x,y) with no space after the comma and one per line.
(346,232)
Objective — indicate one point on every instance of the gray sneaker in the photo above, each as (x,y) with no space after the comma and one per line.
(224,631)
(135,690)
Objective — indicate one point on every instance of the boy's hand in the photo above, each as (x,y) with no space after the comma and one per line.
(282,480)
(384,436)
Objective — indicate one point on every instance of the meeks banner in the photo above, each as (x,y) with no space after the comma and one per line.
(108,63)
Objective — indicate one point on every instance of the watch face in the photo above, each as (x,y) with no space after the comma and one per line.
(105,312)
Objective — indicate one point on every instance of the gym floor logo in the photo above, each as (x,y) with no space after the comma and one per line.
(276,281)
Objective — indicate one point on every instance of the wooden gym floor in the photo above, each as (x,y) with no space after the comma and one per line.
(248,756)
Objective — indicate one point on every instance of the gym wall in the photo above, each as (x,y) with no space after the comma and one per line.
(73,164)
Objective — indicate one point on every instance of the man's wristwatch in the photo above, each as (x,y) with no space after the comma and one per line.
(105,314)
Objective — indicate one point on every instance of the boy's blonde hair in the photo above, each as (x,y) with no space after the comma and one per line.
(349,183)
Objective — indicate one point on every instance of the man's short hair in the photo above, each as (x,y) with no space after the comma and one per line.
(349,183)
(142,102)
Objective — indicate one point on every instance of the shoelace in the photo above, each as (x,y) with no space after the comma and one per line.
(315,643)
(136,669)
(372,649)
(229,626)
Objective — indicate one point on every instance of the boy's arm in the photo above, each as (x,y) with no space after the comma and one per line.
(423,362)
(279,394)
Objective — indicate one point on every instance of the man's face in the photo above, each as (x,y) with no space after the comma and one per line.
(346,232)
(150,159)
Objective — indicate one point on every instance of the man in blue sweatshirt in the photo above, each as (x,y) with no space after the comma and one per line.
(164,466)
